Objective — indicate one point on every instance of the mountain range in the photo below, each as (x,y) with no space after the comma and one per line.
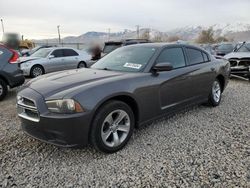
(235,32)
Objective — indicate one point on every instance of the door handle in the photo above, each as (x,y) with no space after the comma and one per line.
(212,69)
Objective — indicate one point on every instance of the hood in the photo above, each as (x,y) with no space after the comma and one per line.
(59,84)
(26,59)
(238,55)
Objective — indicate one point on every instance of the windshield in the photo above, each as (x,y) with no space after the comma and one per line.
(34,49)
(44,52)
(226,47)
(128,59)
(110,47)
(244,48)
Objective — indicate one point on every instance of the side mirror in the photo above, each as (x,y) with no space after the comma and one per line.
(51,56)
(163,67)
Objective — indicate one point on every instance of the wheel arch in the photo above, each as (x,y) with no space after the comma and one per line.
(222,81)
(4,79)
(82,62)
(44,71)
(128,99)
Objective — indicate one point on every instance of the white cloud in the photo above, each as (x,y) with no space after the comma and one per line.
(38,19)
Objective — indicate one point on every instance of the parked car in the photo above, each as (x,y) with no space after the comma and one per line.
(112,45)
(240,61)
(209,48)
(224,48)
(131,86)
(27,52)
(48,60)
(10,74)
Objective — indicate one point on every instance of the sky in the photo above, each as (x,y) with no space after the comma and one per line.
(38,19)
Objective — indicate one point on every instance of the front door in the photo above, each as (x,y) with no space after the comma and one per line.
(56,63)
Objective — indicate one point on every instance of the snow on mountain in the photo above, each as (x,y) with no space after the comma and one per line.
(238,31)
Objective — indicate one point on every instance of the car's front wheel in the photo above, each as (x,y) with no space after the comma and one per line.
(3,89)
(215,94)
(36,71)
(112,127)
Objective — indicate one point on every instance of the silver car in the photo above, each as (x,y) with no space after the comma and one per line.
(48,60)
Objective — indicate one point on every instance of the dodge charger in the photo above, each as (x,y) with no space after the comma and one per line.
(129,87)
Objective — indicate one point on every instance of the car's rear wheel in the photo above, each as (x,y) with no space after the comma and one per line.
(112,127)
(81,65)
(215,94)
(36,71)
(3,89)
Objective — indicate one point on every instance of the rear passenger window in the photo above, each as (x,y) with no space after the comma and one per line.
(69,52)
(174,56)
(194,56)
(205,57)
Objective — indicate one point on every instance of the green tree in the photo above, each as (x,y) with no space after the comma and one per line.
(206,36)
(221,39)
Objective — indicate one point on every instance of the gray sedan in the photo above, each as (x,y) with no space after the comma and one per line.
(53,59)
(129,87)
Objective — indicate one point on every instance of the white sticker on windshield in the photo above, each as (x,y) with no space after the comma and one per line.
(132,65)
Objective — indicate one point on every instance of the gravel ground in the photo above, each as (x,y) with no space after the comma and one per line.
(201,147)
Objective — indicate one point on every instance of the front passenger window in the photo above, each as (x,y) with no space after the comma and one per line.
(174,56)
(58,53)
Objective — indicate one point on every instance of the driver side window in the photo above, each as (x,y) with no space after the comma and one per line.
(57,53)
(174,56)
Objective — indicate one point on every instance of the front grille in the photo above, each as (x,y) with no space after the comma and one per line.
(244,63)
(234,62)
(27,109)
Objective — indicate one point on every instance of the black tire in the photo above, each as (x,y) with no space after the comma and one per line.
(82,65)
(212,100)
(98,126)
(3,89)
(34,72)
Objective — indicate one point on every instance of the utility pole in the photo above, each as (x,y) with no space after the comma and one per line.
(138,31)
(2,25)
(59,36)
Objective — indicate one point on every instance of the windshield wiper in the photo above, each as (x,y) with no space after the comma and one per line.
(105,68)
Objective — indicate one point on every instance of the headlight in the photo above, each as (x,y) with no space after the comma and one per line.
(64,106)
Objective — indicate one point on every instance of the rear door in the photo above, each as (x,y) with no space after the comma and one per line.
(201,72)
(57,63)
(71,58)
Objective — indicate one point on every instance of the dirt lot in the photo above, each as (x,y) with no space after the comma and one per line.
(201,147)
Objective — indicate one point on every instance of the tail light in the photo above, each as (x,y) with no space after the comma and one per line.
(14,57)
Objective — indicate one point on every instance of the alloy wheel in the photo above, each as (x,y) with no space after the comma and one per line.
(115,128)
(216,91)
(37,71)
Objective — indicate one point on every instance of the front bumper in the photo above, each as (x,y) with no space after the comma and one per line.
(67,130)
(25,69)
(60,131)
(243,71)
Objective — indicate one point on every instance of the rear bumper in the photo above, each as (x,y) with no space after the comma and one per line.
(17,79)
